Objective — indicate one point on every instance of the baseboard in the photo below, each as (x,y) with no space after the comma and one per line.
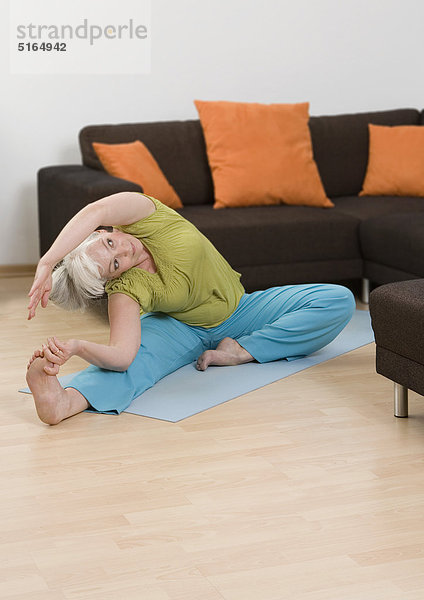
(17,271)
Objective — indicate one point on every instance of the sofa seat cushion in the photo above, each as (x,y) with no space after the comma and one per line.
(367,207)
(277,234)
(396,241)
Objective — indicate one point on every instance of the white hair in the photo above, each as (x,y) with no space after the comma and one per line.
(77,278)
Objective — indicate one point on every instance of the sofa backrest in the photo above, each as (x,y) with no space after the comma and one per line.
(178,147)
(340,145)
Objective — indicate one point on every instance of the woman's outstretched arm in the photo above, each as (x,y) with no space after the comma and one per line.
(122,208)
(124,340)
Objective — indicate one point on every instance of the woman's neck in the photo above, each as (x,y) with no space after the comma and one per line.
(146,262)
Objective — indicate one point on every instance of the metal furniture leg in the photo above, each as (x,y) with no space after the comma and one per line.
(401,400)
(365,291)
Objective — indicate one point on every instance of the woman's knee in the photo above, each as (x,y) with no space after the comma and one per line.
(341,299)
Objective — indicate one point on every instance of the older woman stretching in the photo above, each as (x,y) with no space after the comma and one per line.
(192,305)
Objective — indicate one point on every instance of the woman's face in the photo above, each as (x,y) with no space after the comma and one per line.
(115,252)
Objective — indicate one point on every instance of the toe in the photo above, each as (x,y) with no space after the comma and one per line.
(51,368)
(201,364)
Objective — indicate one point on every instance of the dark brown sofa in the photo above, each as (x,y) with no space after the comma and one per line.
(269,245)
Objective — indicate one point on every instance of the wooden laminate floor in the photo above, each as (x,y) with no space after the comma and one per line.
(307,489)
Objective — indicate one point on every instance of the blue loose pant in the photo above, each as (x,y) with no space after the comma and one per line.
(282,322)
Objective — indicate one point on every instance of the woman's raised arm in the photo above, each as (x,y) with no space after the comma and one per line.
(122,208)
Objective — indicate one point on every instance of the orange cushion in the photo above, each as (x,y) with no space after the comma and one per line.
(395,161)
(134,162)
(261,154)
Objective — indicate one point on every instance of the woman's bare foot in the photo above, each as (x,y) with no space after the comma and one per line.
(228,352)
(52,402)
(47,391)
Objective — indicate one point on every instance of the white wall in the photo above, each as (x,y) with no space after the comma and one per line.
(340,55)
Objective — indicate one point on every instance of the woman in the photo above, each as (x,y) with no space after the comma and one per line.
(192,305)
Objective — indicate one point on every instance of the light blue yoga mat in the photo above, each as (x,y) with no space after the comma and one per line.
(187,391)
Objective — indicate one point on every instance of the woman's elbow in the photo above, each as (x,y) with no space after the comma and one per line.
(125,362)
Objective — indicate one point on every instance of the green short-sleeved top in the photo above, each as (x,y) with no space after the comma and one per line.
(193,282)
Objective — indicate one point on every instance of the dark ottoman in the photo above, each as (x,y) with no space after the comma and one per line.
(397,315)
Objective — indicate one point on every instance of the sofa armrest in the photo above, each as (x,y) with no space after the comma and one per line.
(64,190)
